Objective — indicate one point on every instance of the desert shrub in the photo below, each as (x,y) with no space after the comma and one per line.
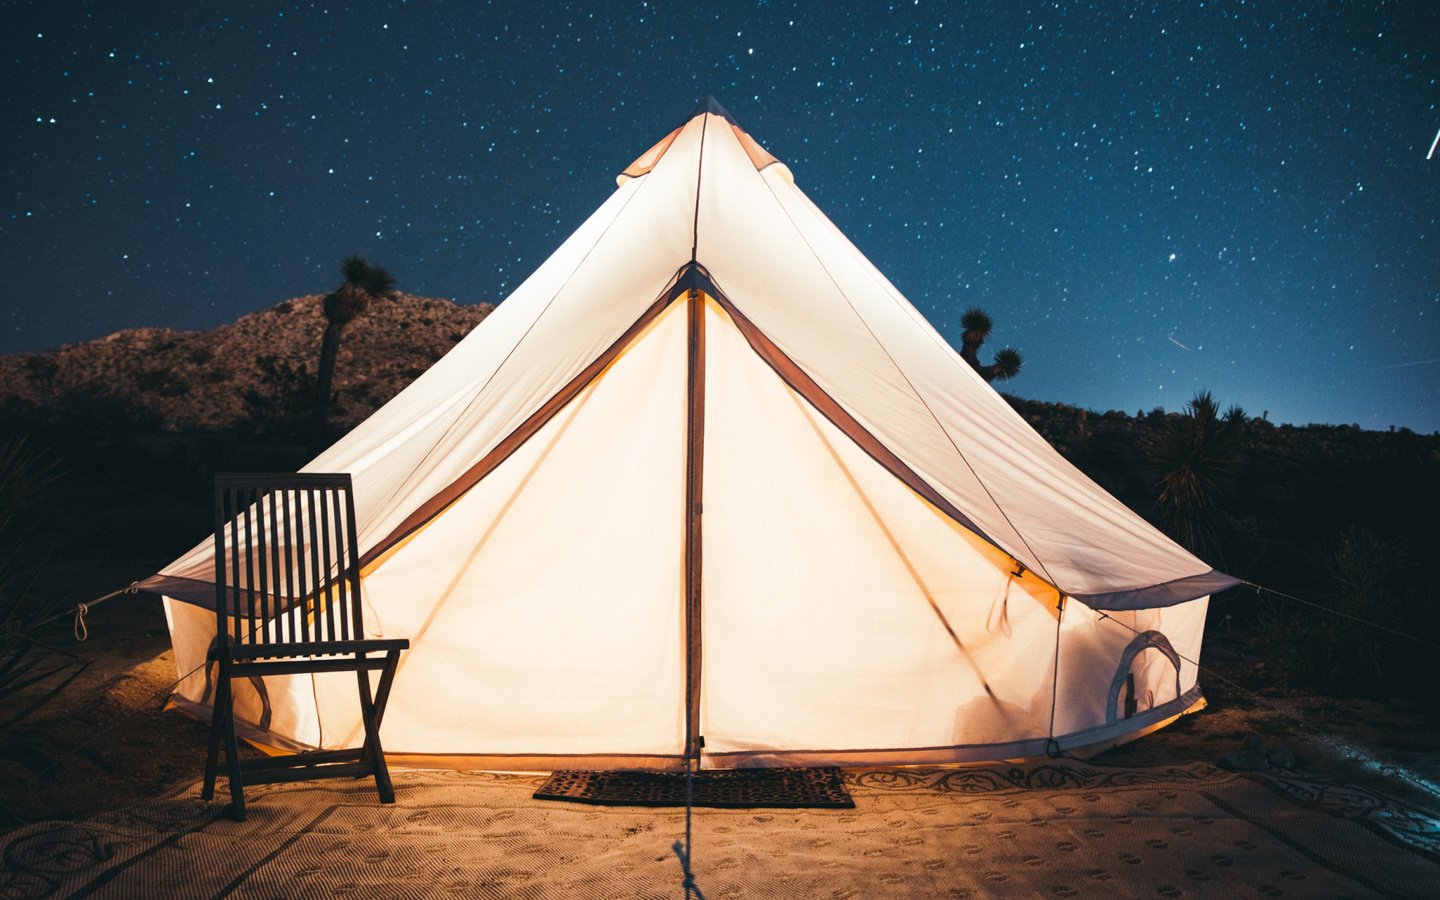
(99,414)
(161,382)
(25,475)
(41,366)
(1376,588)
(283,402)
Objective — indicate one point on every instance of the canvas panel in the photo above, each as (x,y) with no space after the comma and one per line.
(1039,490)
(829,586)
(559,320)
(1092,655)
(573,313)
(1041,494)
(869,349)
(549,595)
(805,310)
(543,608)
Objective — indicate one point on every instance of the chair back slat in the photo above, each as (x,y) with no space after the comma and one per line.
(280,553)
(286,559)
(343,588)
(299,539)
(309,568)
(325,557)
(267,561)
(352,573)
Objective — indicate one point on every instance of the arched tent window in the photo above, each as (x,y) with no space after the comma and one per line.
(1142,680)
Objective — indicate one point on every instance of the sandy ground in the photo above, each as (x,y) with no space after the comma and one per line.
(105,740)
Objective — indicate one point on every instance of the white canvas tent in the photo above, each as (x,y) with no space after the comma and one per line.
(707,485)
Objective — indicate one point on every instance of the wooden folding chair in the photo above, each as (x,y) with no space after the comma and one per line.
(287,601)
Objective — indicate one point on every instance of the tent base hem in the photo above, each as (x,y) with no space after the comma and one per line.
(1079,745)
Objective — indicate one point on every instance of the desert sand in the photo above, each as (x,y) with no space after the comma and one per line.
(98,789)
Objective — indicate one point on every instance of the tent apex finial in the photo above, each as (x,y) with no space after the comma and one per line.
(710,105)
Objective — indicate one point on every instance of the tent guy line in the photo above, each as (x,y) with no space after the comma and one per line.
(1344,615)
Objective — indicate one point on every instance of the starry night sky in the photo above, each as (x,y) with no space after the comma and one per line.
(1150,199)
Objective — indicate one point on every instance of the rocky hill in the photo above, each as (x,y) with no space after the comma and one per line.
(256,373)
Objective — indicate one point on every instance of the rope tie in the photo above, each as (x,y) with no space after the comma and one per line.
(1000,623)
(683,849)
(691,889)
(79,628)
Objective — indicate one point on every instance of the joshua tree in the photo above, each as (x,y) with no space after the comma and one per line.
(1190,454)
(363,283)
(976,323)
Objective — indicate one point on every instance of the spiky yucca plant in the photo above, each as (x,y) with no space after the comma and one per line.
(977,325)
(1190,455)
(364,283)
(1006,366)
(26,473)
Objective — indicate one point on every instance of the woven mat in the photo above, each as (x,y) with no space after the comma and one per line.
(723,789)
(1058,828)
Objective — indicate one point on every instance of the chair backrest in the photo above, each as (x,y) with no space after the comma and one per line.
(287,564)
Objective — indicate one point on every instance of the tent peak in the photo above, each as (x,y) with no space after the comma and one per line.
(759,156)
(712,106)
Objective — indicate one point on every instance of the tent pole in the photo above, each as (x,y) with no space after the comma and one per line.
(694,484)
(1052,747)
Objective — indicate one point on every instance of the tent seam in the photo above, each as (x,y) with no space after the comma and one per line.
(699,178)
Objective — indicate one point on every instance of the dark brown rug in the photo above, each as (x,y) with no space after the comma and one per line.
(723,788)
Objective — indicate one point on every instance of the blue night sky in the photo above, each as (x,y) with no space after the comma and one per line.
(1150,199)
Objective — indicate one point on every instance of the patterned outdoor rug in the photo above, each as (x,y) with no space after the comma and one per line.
(1057,828)
(716,789)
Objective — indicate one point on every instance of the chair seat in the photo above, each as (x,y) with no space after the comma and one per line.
(309,649)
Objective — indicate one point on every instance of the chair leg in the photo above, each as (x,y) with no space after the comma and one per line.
(382,690)
(373,753)
(212,754)
(232,750)
(382,697)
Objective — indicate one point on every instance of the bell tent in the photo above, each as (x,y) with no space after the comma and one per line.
(706,486)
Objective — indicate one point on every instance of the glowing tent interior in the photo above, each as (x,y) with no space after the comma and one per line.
(707,486)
